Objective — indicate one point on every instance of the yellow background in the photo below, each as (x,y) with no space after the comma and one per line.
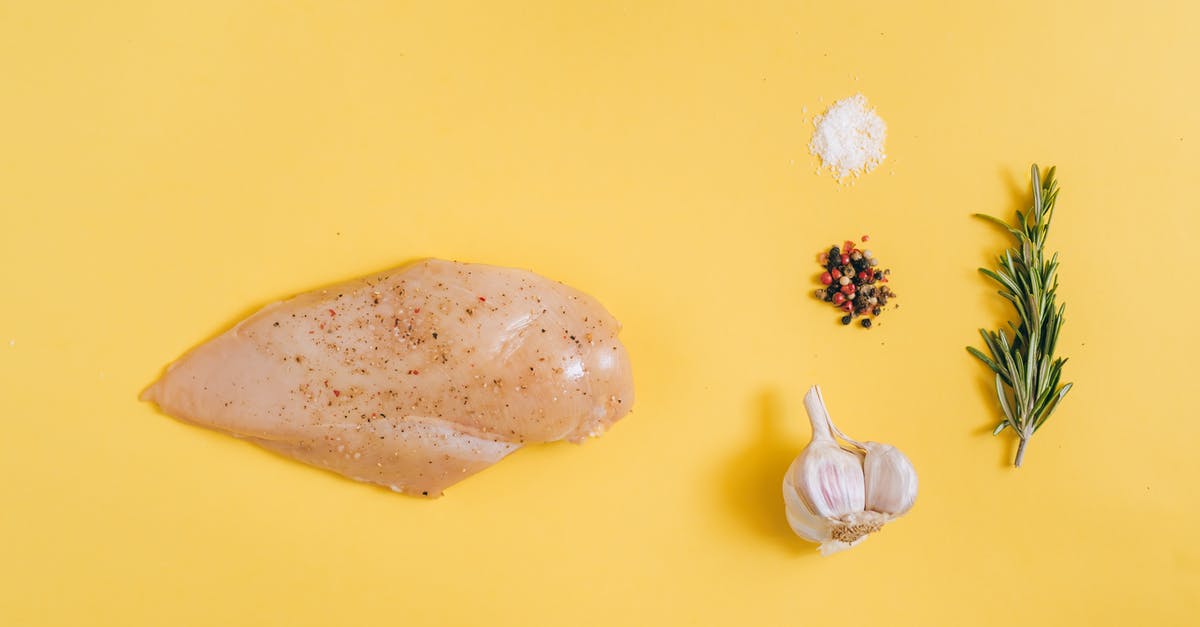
(165,168)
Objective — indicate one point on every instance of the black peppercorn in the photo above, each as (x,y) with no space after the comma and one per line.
(866,322)
(847,318)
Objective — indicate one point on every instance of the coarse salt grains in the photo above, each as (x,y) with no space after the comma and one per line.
(849,137)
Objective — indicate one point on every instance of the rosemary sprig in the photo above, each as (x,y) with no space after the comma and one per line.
(1027,373)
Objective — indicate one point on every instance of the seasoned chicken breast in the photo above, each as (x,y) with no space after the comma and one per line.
(415,378)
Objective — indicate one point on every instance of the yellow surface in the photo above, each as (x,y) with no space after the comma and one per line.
(165,169)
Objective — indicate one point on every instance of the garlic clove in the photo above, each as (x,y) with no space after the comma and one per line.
(891,480)
(803,522)
(829,480)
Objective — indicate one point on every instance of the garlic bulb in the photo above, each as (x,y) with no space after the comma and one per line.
(836,495)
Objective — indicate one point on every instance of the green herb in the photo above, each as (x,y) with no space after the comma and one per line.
(1027,373)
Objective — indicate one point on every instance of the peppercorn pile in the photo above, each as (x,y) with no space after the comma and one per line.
(854,282)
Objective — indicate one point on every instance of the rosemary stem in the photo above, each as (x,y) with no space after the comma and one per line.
(1020,452)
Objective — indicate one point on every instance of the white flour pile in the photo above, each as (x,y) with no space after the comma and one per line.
(849,137)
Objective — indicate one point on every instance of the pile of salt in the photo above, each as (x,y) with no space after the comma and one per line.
(849,137)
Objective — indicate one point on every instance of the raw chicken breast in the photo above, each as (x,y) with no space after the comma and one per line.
(413,379)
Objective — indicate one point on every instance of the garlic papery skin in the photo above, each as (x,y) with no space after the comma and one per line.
(803,521)
(837,497)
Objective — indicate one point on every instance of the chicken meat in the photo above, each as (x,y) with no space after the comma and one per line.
(415,378)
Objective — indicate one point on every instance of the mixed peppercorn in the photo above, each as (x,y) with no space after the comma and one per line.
(854,282)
